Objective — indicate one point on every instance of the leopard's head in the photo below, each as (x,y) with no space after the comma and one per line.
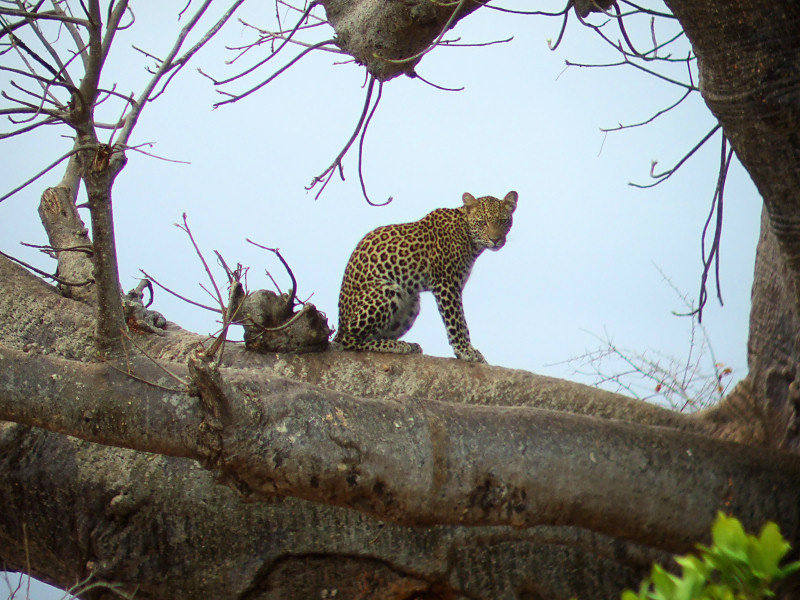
(489,219)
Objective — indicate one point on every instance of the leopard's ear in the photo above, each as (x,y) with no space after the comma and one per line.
(469,200)
(511,201)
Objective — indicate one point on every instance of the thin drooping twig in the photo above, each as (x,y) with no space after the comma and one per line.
(622,30)
(416,75)
(361,151)
(716,207)
(561,32)
(277,252)
(327,174)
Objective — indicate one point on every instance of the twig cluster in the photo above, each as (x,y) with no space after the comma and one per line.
(54,60)
(660,58)
(696,381)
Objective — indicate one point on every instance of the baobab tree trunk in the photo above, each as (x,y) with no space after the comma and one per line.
(748,60)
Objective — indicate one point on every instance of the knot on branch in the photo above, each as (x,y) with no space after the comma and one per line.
(583,8)
(206,384)
(271,324)
(390,38)
(137,315)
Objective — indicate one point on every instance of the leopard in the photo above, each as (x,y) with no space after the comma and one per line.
(390,267)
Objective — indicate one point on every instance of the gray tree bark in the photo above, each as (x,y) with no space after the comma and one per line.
(418,485)
(748,59)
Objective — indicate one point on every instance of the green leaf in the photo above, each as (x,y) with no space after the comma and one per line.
(729,537)
(767,551)
(663,582)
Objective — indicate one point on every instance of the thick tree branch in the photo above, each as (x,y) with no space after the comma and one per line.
(417,463)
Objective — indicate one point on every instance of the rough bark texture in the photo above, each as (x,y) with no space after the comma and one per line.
(154,522)
(99,172)
(291,425)
(376,33)
(774,344)
(67,233)
(749,63)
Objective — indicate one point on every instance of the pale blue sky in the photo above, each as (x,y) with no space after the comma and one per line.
(579,259)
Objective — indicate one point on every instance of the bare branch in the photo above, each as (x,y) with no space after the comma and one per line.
(326,175)
(663,176)
(55,278)
(177,295)
(563,11)
(713,253)
(237,97)
(361,150)
(45,170)
(651,119)
(185,228)
(277,252)
(416,75)
(180,62)
(625,61)
(457,43)
(50,250)
(561,32)
(300,21)
(54,15)
(27,128)
(649,11)
(80,44)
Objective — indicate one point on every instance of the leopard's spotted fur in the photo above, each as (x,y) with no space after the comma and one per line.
(379,300)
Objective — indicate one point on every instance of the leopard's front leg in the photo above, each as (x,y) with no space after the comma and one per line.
(451,307)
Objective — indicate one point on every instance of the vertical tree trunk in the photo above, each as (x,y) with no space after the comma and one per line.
(749,64)
(774,344)
(99,172)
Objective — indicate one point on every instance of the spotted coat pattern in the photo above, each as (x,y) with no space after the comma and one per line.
(379,299)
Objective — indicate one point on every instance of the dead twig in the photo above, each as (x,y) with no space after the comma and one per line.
(664,175)
(327,174)
(55,278)
(277,252)
(713,254)
(177,295)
